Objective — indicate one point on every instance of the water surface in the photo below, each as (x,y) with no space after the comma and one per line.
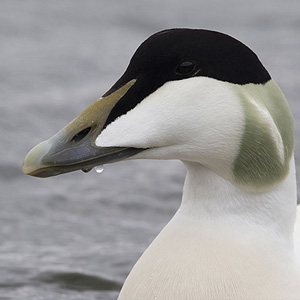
(77,236)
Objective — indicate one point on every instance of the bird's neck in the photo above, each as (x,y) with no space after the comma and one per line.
(213,201)
(222,241)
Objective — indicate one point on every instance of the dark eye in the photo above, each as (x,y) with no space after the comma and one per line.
(185,68)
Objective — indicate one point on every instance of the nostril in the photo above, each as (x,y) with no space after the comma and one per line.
(80,135)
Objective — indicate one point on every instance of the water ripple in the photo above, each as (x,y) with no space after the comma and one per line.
(78,281)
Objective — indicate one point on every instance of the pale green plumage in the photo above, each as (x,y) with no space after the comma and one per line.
(268,140)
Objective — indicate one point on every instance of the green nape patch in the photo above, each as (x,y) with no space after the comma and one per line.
(268,140)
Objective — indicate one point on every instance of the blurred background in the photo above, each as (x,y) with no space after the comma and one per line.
(77,236)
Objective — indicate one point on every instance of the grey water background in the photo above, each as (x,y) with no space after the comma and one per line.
(77,236)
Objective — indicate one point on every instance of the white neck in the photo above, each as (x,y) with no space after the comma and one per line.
(210,198)
(223,243)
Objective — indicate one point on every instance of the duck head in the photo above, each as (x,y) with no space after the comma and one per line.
(195,95)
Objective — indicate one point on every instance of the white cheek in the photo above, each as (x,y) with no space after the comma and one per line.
(198,118)
(147,125)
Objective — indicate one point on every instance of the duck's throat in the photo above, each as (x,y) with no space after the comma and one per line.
(223,241)
(210,199)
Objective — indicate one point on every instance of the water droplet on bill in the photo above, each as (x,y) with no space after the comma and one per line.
(99,169)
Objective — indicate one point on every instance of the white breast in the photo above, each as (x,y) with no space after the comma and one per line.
(221,246)
(297,234)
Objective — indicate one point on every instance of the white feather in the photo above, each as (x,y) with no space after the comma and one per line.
(224,242)
(297,234)
(198,119)
(230,245)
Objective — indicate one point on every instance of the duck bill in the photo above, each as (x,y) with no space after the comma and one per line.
(73,148)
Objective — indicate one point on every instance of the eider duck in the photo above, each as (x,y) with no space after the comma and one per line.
(204,98)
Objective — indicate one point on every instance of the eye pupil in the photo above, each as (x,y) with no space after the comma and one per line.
(185,67)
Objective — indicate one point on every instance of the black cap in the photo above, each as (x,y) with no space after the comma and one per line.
(177,54)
